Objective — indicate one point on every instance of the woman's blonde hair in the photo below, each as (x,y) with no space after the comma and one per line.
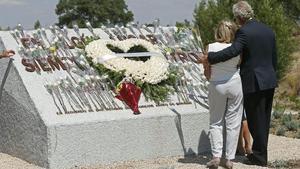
(225,31)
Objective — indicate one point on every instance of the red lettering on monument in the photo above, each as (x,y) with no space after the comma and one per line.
(44,65)
(26,42)
(37,68)
(47,65)
(183,56)
(143,37)
(29,67)
(152,39)
(131,37)
(52,62)
(193,57)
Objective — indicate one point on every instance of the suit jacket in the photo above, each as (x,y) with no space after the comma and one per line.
(256,42)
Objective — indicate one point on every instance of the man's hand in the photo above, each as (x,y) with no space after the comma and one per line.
(7,54)
(203,59)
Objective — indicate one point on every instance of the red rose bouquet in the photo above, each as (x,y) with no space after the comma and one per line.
(130,94)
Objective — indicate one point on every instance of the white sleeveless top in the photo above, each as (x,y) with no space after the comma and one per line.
(223,70)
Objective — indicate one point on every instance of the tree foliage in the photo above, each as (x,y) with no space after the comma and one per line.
(185,23)
(98,12)
(208,13)
(291,8)
(5,29)
(37,24)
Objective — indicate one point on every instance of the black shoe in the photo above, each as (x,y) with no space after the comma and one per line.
(252,160)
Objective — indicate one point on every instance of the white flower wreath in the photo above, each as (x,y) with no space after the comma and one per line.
(151,71)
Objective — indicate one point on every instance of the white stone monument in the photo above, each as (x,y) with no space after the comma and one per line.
(31,127)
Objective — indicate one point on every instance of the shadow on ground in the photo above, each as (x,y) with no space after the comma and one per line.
(202,159)
(195,159)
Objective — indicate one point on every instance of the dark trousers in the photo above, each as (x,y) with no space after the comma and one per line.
(258,106)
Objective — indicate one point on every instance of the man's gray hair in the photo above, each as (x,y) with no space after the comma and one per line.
(243,10)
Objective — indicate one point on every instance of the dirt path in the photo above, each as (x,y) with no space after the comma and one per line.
(9,162)
(280,149)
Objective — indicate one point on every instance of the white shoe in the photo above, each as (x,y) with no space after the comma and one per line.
(214,163)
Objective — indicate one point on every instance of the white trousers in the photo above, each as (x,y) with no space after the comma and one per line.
(226,109)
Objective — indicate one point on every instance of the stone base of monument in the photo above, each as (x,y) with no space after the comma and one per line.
(35,127)
(64,141)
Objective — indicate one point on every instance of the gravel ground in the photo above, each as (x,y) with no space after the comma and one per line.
(9,162)
(280,148)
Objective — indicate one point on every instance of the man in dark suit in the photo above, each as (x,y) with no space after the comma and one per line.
(256,43)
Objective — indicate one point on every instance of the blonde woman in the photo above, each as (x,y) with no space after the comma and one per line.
(225,99)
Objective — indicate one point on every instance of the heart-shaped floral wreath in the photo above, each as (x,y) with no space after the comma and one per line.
(153,70)
(151,73)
